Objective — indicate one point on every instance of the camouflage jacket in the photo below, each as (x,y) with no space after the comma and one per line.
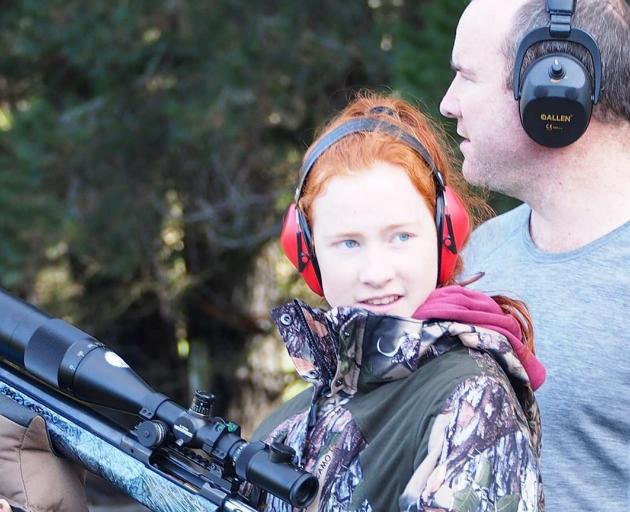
(407,415)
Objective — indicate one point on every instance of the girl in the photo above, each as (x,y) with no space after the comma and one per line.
(421,394)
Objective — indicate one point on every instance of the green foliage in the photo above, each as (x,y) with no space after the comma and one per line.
(31,216)
(423,38)
(423,42)
(145,154)
(148,150)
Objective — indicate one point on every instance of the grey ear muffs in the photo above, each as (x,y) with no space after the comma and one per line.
(556,93)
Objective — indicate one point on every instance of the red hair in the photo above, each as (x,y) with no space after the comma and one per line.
(361,151)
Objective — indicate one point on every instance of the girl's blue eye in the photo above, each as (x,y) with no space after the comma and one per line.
(350,244)
(403,237)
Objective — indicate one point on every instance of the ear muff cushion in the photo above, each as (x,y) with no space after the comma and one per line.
(296,248)
(456,227)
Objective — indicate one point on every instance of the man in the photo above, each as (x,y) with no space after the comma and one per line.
(566,251)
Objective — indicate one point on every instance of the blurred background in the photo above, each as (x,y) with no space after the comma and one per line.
(149,148)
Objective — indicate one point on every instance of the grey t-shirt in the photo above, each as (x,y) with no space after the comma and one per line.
(580,303)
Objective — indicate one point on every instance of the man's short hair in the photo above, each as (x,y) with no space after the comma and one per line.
(608,23)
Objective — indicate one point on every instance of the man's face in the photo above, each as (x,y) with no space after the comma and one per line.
(496,150)
(375,241)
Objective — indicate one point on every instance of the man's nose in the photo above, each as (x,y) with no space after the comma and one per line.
(376,269)
(449,106)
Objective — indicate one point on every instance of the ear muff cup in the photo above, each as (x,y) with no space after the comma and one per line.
(299,250)
(455,227)
(556,110)
(556,93)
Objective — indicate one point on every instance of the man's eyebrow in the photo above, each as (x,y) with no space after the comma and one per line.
(458,68)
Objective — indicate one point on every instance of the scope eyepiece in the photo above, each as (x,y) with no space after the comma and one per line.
(282,479)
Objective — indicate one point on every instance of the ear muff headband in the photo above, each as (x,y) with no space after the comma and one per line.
(451,217)
(358,125)
(540,35)
(556,93)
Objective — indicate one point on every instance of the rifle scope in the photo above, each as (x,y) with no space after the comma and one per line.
(71,360)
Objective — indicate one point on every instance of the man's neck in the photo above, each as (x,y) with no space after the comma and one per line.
(586,194)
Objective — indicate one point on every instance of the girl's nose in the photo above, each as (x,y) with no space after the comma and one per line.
(376,268)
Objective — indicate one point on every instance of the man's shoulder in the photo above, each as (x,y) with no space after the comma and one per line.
(496,232)
(503,225)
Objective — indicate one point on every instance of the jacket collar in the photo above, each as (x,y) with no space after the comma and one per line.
(350,349)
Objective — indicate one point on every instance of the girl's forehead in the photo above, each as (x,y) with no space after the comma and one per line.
(379,196)
(381,177)
(385,182)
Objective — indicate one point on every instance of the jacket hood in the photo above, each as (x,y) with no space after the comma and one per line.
(472,307)
(350,349)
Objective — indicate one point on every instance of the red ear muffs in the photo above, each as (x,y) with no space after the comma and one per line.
(451,217)
(298,248)
(455,226)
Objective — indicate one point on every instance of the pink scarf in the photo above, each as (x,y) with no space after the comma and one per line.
(459,304)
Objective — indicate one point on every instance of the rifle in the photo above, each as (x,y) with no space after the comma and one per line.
(172,460)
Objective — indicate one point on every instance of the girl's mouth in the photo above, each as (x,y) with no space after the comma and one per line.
(380,304)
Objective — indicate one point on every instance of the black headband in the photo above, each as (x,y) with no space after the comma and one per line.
(365,124)
(559,29)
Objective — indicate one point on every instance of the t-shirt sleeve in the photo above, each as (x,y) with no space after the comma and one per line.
(480,456)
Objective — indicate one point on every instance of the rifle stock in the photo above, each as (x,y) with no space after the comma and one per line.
(153,463)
